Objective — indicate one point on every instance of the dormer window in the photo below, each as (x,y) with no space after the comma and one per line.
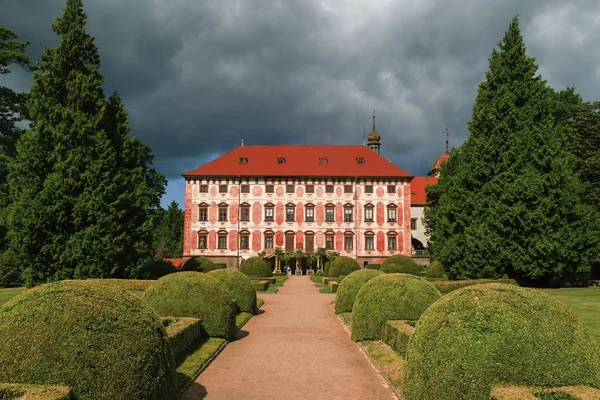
(243,160)
(280,160)
(322,160)
(360,160)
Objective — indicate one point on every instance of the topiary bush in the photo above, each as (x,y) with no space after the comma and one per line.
(240,289)
(198,264)
(96,338)
(256,267)
(486,335)
(435,270)
(349,288)
(373,266)
(400,264)
(389,297)
(326,268)
(343,266)
(194,294)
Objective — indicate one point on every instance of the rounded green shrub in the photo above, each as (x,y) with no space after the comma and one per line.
(326,268)
(194,294)
(199,264)
(343,266)
(240,289)
(490,334)
(400,264)
(91,336)
(257,267)
(349,288)
(389,297)
(373,266)
(435,270)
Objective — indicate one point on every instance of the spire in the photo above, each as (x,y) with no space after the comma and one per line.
(447,134)
(373,120)
(374,138)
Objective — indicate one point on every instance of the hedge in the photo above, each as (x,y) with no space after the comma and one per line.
(342,266)
(326,268)
(486,335)
(260,286)
(92,336)
(435,269)
(333,286)
(182,333)
(349,288)
(198,264)
(400,264)
(194,294)
(256,267)
(449,286)
(389,297)
(558,393)
(17,391)
(128,284)
(240,289)
(396,335)
(272,280)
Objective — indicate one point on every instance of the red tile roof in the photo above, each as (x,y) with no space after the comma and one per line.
(418,196)
(341,161)
(438,164)
(177,262)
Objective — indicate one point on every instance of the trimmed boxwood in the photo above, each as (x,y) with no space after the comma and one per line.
(240,289)
(256,267)
(373,266)
(435,269)
(17,391)
(194,294)
(342,266)
(446,286)
(349,288)
(199,264)
(260,286)
(181,333)
(396,334)
(94,337)
(486,335)
(400,264)
(389,297)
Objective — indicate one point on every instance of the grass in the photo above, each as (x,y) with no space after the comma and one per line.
(7,294)
(138,293)
(325,290)
(346,319)
(391,364)
(259,303)
(274,287)
(196,359)
(584,301)
(242,318)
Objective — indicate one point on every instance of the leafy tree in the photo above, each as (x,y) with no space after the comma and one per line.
(566,105)
(508,202)
(169,234)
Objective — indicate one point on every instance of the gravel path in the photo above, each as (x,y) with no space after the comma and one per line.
(295,349)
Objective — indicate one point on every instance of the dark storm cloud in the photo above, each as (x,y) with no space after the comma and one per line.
(197,77)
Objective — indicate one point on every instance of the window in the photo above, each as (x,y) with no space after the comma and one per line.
(348,214)
(329,237)
(268,240)
(360,160)
(290,213)
(329,189)
(391,189)
(289,242)
(243,160)
(244,240)
(203,213)
(280,160)
(310,188)
(309,242)
(392,245)
(269,211)
(289,189)
(391,211)
(413,223)
(222,213)
(269,188)
(245,188)
(222,240)
(202,240)
(347,188)
(310,213)
(369,241)
(203,188)
(322,160)
(329,213)
(222,188)
(245,212)
(369,213)
(348,242)
(368,188)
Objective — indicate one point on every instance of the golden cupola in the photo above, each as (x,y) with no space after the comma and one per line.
(374,138)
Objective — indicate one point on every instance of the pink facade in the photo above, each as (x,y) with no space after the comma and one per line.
(387,233)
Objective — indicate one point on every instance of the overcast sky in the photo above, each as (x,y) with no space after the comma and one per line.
(198,76)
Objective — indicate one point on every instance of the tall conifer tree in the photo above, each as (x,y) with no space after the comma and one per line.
(508,201)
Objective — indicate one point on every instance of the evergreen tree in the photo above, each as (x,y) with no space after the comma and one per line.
(508,202)
(169,234)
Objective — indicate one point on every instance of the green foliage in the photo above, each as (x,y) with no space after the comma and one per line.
(389,297)
(256,267)
(508,201)
(97,339)
(128,284)
(199,264)
(17,391)
(342,266)
(168,237)
(396,334)
(373,266)
(349,287)
(156,269)
(449,286)
(194,294)
(435,269)
(181,334)
(552,395)
(485,335)
(400,264)
(239,287)
(260,286)
(326,268)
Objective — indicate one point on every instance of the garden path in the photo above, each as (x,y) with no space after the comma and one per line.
(296,349)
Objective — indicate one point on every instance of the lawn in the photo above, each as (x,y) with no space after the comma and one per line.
(7,294)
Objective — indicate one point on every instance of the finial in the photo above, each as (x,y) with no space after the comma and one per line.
(373,119)
(447,134)
(242,142)
(364,142)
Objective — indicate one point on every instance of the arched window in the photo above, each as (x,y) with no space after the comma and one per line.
(202,240)
(269,235)
(348,240)
(369,212)
(392,238)
(222,240)
(244,240)
(329,240)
